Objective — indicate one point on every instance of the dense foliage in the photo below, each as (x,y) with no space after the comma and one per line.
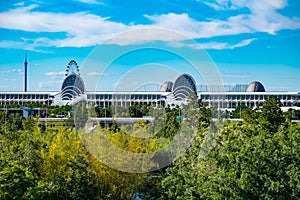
(55,165)
(257,158)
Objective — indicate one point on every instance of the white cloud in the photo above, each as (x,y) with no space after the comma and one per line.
(20,72)
(11,71)
(8,44)
(263,17)
(49,85)
(269,22)
(143,34)
(83,29)
(253,5)
(91,2)
(227,45)
(54,73)
(224,4)
(10,79)
(212,45)
(95,74)
(19,3)
(25,45)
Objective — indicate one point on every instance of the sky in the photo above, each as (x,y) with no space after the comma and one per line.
(125,42)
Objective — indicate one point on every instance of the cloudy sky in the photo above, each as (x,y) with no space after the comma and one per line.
(247,40)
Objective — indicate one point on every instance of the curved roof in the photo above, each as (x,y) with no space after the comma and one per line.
(183,86)
(72,86)
(255,86)
(166,86)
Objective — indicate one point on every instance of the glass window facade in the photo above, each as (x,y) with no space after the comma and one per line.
(183,86)
(72,86)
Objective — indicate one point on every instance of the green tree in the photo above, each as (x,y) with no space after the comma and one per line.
(237,113)
(16,182)
(254,159)
(271,116)
(103,112)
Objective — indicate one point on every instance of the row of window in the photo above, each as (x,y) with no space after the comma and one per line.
(252,104)
(123,96)
(118,103)
(245,97)
(234,105)
(24,96)
(4,102)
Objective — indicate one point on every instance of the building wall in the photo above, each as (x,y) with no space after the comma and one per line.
(22,98)
(125,99)
(231,100)
(228,100)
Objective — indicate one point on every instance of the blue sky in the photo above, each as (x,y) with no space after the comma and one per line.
(247,40)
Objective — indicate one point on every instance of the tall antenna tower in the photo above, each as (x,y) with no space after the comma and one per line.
(25,73)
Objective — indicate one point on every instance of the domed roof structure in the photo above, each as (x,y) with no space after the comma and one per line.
(73,84)
(255,86)
(166,87)
(183,86)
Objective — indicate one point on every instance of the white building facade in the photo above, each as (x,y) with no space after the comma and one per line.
(73,90)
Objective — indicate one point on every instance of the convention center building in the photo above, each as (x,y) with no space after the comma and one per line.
(170,93)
